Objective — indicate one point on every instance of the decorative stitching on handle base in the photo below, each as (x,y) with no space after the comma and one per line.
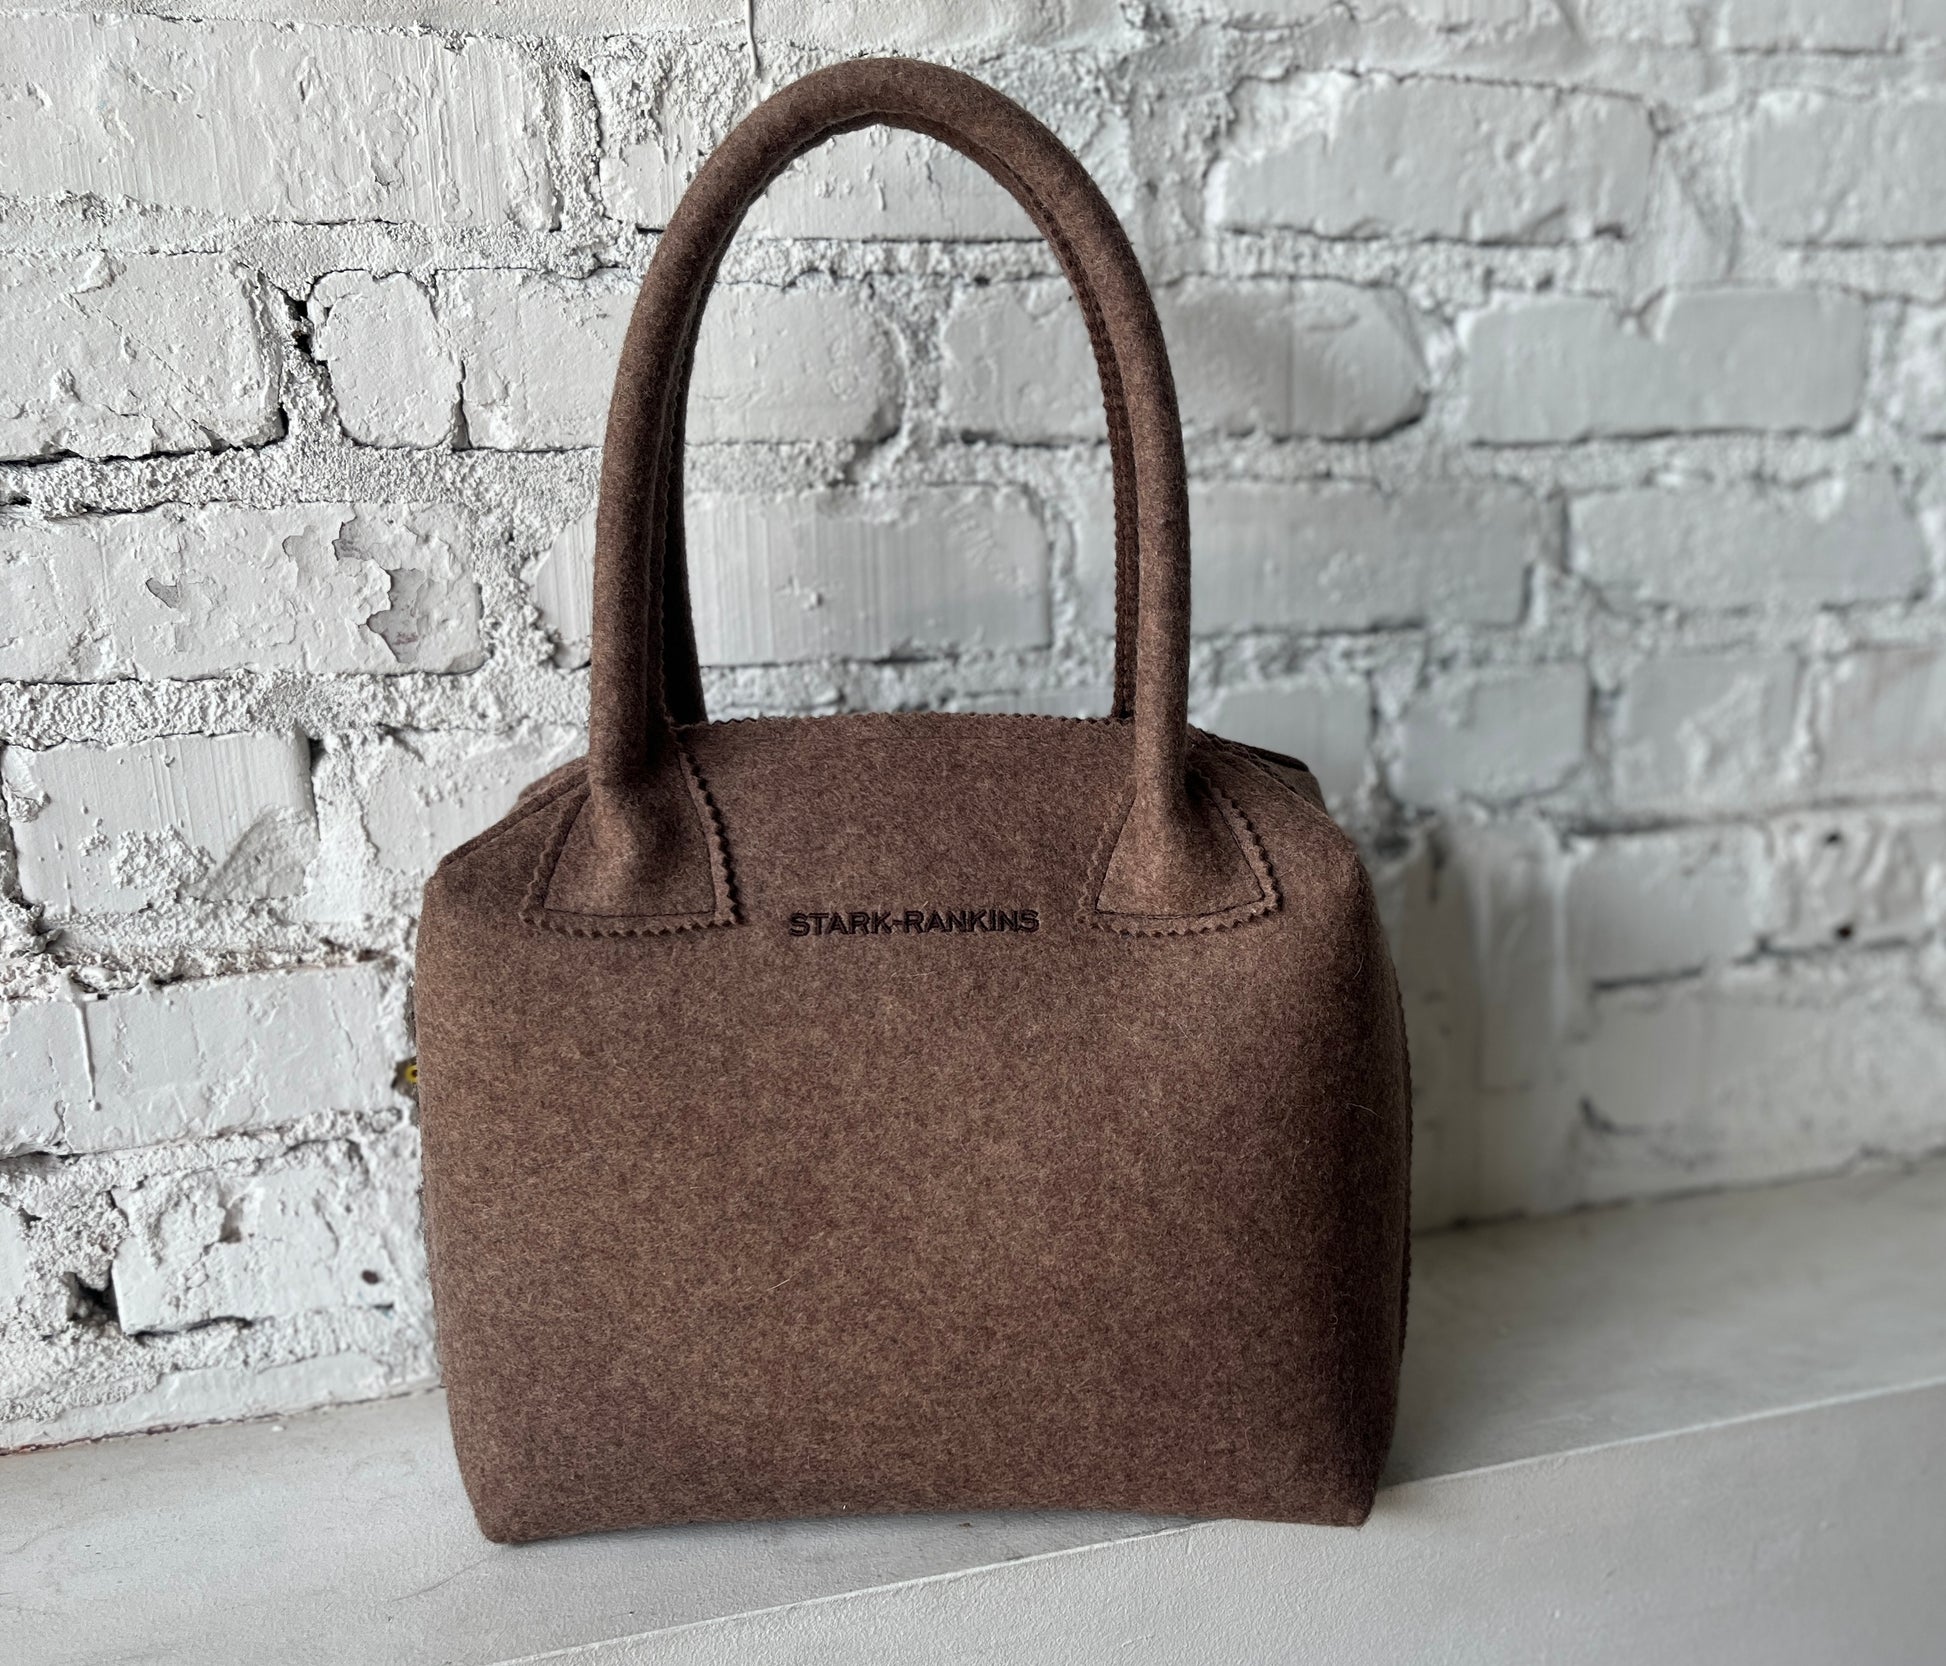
(1267,901)
(535,910)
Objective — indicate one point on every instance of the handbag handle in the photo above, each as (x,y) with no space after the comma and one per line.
(645,423)
(650,841)
(682,683)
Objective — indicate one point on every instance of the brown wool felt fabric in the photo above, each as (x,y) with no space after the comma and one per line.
(909,1111)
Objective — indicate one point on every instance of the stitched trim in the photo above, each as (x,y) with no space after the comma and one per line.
(722,881)
(535,910)
(1267,901)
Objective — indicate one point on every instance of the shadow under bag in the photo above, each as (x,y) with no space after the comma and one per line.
(909,1111)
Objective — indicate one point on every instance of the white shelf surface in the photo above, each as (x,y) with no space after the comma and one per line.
(1711,1429)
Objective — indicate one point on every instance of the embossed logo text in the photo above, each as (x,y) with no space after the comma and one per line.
(913,922)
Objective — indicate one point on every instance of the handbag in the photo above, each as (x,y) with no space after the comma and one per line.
(908,1111)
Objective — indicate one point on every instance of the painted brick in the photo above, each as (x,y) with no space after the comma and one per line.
(43,1075)
(1319,358)
(1882,723)
(537,355)
(1918,395)
(1858,876)
(564,586)
(1016,363)
(1496,736)
(1705,731)
(1857,26)
(1328,728)
(538,362)
(1662,1087)
(1692,1084)
(1734,25)
(121,355)
(290,1236)
(1819,169)
(1351,557)
(1750,25)
(1553,368)
(866,576)
(1475,914)
(935,25)
(879,182)
(1663,903)
(214,1055)
(1508,884)
(218,818)
(1455,17)
(303,123)
(73,1373)
(246,1387)
(1847,539)
(819,575)
(1370,155)
(14,1261)
(1330,556)
(193,592)
(389,806)
(395,379)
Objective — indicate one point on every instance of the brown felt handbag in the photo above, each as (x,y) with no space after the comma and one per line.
(909,1111)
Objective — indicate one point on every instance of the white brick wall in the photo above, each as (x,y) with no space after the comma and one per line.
(1495,736)
(390,805)
(125,828)
(1361,155)
(821,575)
(537,357)
(290,1237)
(1819,169)
(1707,913)
(1343,556)
(195,592)
(1695,733)
(118,355)
(878,182)
(394,372)
(1836,541)
(1883,722)
(214,1055)
(1281,359)
(1857,876)
(1574,367)
(236,120)
(1566,402)
(1918,397)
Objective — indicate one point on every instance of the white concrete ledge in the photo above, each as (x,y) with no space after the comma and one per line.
(1712,1429)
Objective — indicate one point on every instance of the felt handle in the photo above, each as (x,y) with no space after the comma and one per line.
(644,675)
(682,684)
(1168,854)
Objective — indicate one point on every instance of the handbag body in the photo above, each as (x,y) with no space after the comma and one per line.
(909,1111)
